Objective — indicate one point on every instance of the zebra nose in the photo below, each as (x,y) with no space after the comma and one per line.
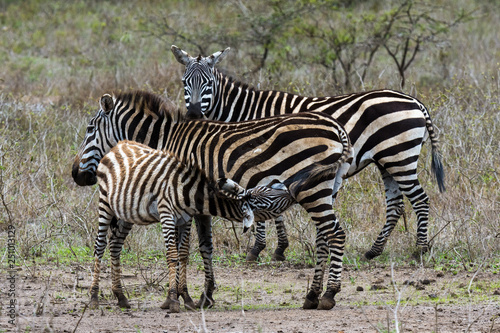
(194,111)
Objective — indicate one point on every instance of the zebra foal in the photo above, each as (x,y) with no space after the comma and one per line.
(281,149)
(386,127)
(140,185)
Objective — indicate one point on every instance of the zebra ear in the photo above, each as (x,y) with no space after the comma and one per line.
(217,57)
(106,103)
(180,55)
(230,189)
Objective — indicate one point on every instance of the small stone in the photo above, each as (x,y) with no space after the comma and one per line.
(359,288)
(377,287)
(419,286)
(440,274)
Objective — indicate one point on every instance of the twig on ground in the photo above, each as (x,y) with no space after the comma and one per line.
(41,305)
(469,292)
(495,317)
(396,308)
(367,319)
(436,317)
(79,320)
(242,306)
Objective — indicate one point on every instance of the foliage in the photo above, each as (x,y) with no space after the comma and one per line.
(344,38)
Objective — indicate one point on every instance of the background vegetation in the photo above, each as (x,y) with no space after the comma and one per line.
(59,57)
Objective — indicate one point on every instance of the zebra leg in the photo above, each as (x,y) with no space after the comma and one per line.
(119,232)
(169,234)
(279,254)
(260,241)
(312,297)
(420,204)
(183,248)
(335,237)
(204,228)
(106,217)
(330,240)
(394,210)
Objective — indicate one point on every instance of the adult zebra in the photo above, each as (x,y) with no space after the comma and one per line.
(141,185)
(252,153)
(386,127)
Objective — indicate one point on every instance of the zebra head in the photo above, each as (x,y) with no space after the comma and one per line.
(200,81)
(98,141)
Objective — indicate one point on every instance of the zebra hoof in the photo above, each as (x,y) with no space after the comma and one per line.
(188,303)
(420,251)
(123,301)
(310,305)
(166,304)
(371,254)
(175,306)
(94,302)
(251,257)
(205,302)
(278,255)
(311,301)
(326,303)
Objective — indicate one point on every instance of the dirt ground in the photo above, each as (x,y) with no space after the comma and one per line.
(261,298)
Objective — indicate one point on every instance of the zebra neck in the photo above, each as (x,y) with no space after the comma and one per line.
(154,132)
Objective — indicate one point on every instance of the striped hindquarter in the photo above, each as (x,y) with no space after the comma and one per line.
(386,127)
(141,185)
(279,149)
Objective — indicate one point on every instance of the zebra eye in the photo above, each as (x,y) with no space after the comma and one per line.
(90,129)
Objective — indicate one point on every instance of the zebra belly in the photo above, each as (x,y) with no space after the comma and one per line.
(141,211)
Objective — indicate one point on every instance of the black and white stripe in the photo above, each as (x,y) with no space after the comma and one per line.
(141,185)
(386,127)
(310,150)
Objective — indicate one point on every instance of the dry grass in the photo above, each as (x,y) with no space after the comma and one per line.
(58,58)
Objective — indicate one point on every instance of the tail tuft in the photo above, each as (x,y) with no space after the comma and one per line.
(437,169)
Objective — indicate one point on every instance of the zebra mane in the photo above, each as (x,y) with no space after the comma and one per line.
(153,103)
(233,81)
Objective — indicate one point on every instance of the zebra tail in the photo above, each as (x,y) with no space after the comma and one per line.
(437,168)
(436,165)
